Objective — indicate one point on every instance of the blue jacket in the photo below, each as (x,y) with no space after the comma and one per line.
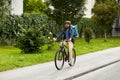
(67,33)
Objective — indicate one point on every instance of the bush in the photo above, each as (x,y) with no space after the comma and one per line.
(88,34)
(30,39)
(50,41)
(13,23)
(89,22)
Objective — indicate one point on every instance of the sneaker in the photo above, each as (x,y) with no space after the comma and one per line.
(70,62)
(66,58)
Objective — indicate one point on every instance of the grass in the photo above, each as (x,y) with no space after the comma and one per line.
(11,58)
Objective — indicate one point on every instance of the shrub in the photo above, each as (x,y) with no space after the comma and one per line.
(88,34)
(89,22)
(13,23)
(30,39)
(50,41)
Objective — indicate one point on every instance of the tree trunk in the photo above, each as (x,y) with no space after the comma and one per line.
(105,35)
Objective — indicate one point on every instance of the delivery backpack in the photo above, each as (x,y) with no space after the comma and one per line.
(75,30)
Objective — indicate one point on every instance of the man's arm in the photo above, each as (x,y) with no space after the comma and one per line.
(60,34)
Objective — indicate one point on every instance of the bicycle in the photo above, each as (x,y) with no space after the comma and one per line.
(61,56)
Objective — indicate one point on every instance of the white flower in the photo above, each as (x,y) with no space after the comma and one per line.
(50,33)
(48,37)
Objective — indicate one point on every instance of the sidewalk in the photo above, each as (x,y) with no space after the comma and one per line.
(47,71)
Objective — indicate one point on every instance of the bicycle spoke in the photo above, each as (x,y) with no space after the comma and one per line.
(59,60)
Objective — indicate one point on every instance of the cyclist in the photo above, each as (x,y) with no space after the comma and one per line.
(68,38)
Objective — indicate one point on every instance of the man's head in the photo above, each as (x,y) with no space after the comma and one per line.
(67,24)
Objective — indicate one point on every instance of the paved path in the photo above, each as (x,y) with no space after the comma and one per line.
(111,72)
(85,64)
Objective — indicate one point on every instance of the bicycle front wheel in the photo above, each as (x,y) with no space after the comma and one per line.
(59,60)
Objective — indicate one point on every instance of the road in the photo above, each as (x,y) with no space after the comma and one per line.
(111,72)
(87,67)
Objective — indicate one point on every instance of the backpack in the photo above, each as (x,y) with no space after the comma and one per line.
(75,30)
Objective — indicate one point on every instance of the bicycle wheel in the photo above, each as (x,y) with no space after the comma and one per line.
(72,62)
(59,60)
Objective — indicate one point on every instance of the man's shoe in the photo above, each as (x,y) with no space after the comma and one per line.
(70,62)
(66,58)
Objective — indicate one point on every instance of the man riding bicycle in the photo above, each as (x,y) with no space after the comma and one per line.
(68,38)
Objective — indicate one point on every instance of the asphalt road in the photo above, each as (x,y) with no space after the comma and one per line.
(111,72)
(86,66)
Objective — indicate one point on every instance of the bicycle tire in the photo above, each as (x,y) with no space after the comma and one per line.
(57,55)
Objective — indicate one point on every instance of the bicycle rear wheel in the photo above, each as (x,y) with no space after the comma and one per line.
(59,60)
(72,62)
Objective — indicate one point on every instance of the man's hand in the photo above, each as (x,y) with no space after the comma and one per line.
(54,39)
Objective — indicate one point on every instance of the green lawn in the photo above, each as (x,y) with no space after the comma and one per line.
(11,57)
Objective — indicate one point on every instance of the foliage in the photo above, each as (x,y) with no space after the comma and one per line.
(98,1)
(4,8)
(88,22)
(14,23)
(105,14)
(64,10)
(103,1)
(10,28)
(34,6)
(50,41)
(30,39)
(4,11)
(88,34)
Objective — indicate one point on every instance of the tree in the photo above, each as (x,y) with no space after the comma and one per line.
(63,10)
(89,22)
(4,11)
(98,1)
(88,34)
(105,14)
(34,6)
(4,8)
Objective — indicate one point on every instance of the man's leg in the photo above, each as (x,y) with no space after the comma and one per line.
(65,43)
(70,44)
